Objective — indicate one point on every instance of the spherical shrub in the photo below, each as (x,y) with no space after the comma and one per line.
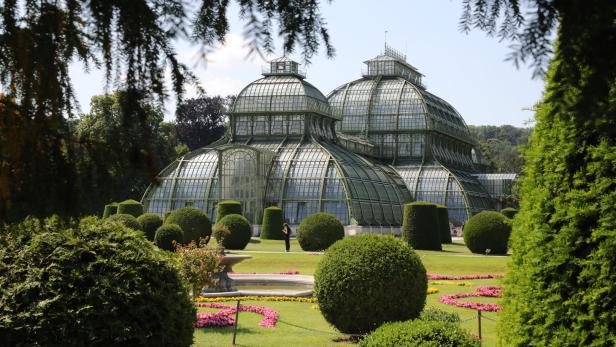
(416,333)
(442,215)
(167,235)
(149,223)
(319,231)
(127,220)
(487,230)
(240,231)
(97,283)
(132,207)
(509,212)
(226,207)
(110,209)
(271,229)
(366,280)
(419,226)
(193,221)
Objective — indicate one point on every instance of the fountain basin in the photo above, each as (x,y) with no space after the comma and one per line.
(268,285)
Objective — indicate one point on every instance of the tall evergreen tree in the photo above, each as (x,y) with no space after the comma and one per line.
(201,121)
(561,288)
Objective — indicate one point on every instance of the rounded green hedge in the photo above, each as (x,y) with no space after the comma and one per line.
(240,231)
(509,212)
(420,226)
(366,280)
(149,223)
(487,230)
(442,215)
(271,229)
(318,231)
(167,235)
(193,221)
(419,333)
(110,210)
(127,220)
(226,207)
(96,283)
(132,207)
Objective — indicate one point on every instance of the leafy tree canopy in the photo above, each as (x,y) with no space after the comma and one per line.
(201,121)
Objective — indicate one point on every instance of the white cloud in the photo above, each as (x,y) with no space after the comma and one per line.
(230,55)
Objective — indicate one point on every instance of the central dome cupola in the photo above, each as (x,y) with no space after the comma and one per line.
(281,104)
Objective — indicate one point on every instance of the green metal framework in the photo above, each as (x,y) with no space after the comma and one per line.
(422,136)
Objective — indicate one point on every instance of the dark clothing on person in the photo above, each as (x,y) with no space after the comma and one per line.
(286,230)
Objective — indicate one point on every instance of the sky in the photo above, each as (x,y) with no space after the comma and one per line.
(467,70)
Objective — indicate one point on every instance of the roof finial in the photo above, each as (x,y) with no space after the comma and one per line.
(385,38)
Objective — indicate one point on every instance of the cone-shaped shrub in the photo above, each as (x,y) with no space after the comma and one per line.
(443,223)
(96,283)
(127,220)
(487,230)
(110,209)
(271,229)
(226,207)
(366,280)
(193,222)
(240,231)
(319,231)
(419,332)
(132,207)
(149,223)
(561,285)
(509,212)
(167,235)
(420,226)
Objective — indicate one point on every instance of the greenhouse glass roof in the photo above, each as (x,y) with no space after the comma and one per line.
(385,141)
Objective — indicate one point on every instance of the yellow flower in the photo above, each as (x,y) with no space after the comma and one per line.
(432,290)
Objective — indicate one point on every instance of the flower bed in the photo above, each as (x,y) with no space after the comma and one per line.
(432,290)
(287,272)
(224,317)
(256,298)
(452,283)
(463,277)
(485,291)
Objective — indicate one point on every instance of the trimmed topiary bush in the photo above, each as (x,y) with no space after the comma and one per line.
(132,207)
(318,231)
(193,221)
(149,223)
(271,229)
(96,283)
(420,226)
(167,235)
(127,220)
(442,216)
(419,333)
(110,209)
(509,212)
(240,231)
(487,230)
(366,280)
(226,207)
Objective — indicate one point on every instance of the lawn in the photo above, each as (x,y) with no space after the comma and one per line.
(301,324)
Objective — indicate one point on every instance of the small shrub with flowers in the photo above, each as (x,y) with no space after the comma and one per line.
(197,265)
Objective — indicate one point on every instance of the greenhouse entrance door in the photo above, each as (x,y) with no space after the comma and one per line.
(243,174)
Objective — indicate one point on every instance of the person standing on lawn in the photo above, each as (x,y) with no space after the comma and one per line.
(286,230)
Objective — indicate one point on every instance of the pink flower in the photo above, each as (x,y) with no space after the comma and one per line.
(486,291)
(225,317)
(287,272)
(463,277)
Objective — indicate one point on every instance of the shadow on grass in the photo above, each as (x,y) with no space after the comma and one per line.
(254,240)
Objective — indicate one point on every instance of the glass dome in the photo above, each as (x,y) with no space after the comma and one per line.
(421,135)
(281,149)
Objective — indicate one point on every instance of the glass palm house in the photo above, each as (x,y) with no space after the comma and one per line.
(360,154)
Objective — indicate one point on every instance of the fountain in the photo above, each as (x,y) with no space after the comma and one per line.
(257,284)
(225,283)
